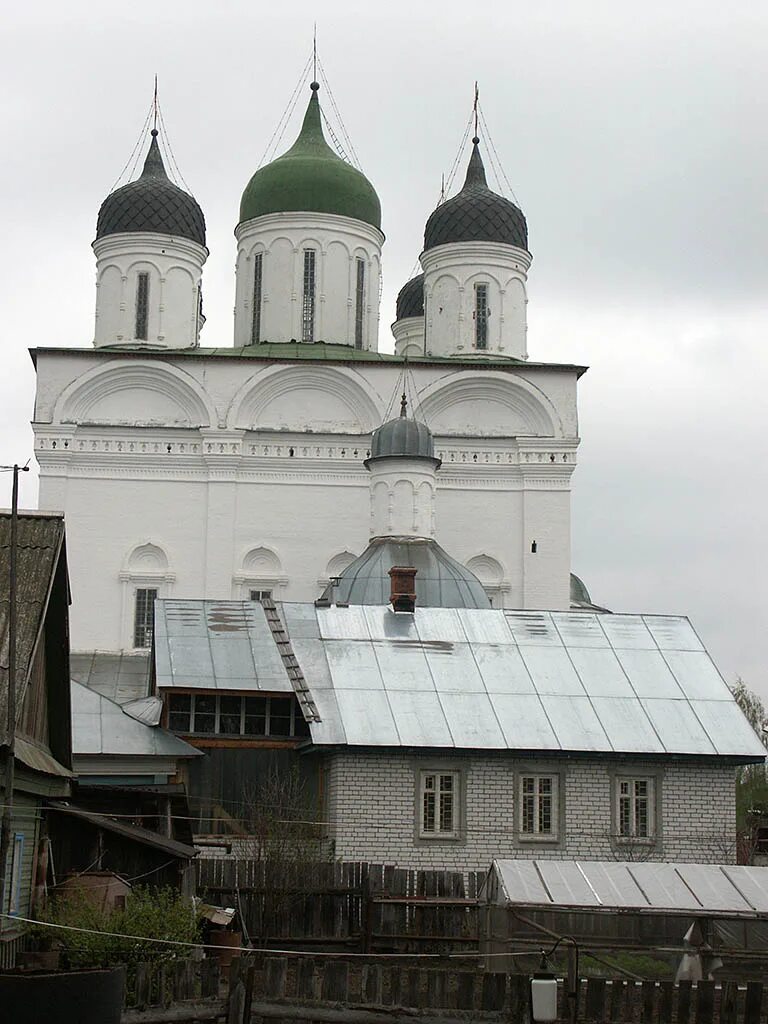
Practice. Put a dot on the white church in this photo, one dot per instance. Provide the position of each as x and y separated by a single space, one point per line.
238 470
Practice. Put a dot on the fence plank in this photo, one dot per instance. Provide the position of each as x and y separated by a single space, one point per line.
305 979
728 1002
617 1000
753 1002
648 989
437 988
465 990
666 996
705 1002
594 1008
143 984
335 982
210 973
494 992
371 984
684 1000
277 969
519 998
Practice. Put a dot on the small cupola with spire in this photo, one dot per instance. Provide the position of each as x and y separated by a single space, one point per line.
309 246
476 263
150 250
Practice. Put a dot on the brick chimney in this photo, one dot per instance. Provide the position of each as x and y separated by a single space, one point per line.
403 588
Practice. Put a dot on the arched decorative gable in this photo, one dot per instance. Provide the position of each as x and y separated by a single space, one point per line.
488 404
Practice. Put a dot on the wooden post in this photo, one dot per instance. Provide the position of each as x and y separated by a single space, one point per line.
573 986
753 1002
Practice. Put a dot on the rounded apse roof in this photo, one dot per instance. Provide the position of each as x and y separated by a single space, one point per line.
410 299
476 214
311 178
441 581
152 203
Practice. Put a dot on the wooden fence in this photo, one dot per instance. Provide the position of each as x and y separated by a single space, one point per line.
371 990
356 905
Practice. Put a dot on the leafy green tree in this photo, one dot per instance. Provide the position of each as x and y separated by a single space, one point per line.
752 779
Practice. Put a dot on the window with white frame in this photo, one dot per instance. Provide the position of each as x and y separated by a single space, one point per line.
538 806
144 616
635 807
359 303
258 270
439 804
209 714
261 595
481 316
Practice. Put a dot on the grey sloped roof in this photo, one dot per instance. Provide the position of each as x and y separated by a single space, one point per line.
152 203
402 436
119 676
224 645
39 540
99 726
476 214
441 581
503 680
410 298
720 890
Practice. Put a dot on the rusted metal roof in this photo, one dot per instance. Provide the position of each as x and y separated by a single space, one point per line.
40 537
39 759
139 835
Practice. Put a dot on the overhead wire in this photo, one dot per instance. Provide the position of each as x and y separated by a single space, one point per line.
337 112
492 146
137 146
169 149
285 117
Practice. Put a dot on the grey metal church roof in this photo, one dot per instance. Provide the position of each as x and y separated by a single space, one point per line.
441 581
402 436
476 214
152 203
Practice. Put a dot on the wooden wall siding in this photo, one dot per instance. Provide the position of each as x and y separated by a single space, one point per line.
366 906
33 721
24 821
278 988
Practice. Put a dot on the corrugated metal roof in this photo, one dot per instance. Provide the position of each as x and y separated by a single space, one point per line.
221 645
121 677
553 681
711 889
39 759
99 726
39 537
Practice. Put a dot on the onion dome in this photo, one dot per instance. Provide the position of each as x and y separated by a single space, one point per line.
311 178
476 214
410 298
152 203
441 581
402 438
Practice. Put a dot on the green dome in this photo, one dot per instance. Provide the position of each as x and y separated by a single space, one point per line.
311 178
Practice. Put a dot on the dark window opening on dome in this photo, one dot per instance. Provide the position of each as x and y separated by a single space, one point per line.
308 301
359 303
142 306
144 617
481 316
258 261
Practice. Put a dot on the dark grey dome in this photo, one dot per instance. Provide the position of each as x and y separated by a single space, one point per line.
441 581
402 437
476 214
152 203
410 298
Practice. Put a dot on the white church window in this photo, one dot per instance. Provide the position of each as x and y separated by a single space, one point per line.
142 306
481 316
258 267
439 804
538 806
144 616
359 303
308 301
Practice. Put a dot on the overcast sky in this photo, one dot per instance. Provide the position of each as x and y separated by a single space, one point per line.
634 137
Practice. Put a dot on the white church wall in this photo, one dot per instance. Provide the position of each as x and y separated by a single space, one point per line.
138 450
174 267
281 239
451 275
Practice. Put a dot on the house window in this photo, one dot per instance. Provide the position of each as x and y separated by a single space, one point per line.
538 806
481 316
261 595
635 808
258 262
142 305
17 859
439 804
206 714
359 303
144 616
308 300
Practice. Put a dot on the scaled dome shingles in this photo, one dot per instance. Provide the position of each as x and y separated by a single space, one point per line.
410 298
152 203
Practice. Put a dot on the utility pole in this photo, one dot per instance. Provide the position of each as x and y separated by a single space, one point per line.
8 749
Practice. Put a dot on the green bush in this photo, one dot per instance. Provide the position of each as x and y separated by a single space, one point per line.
149 914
